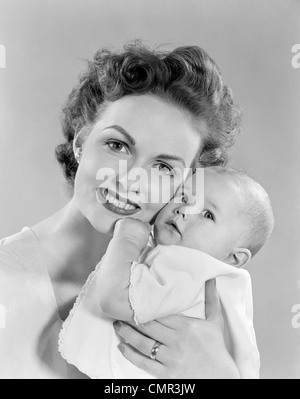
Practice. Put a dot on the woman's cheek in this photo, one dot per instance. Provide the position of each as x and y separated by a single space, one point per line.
161 190
154 197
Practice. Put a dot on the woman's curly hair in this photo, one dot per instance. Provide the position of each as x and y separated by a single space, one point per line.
186 77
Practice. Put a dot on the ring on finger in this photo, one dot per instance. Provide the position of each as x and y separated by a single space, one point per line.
155 350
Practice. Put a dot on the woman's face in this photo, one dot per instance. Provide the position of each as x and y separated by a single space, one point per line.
138 153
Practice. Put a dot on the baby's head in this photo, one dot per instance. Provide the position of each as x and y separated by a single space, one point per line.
236 221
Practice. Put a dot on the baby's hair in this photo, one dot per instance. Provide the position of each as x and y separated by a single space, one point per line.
258 212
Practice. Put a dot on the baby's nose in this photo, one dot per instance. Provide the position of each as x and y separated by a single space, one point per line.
180 212
188 210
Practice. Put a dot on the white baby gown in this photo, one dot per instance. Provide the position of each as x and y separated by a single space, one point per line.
171 280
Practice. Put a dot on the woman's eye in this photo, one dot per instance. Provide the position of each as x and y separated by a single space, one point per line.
164 169
208 215
118 146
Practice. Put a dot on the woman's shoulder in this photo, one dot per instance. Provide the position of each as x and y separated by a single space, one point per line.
24 281
30 319
19 252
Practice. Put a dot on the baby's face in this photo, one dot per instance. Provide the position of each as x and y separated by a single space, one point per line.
214 229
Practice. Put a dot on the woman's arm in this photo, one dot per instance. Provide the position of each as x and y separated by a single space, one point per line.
130 239
191 348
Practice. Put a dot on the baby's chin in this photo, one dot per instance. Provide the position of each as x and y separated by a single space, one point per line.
163 237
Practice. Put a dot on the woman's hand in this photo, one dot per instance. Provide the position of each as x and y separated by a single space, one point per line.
133 230
191 348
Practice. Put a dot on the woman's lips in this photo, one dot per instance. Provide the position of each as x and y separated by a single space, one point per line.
115 203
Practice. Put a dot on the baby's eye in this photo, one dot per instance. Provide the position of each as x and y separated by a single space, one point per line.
208 215
164 169
117 146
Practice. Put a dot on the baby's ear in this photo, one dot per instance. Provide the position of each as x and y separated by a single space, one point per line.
239 257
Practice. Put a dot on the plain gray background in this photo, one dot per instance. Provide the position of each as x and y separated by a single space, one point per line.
46 42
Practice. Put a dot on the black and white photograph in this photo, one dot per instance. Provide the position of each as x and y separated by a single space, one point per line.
149 192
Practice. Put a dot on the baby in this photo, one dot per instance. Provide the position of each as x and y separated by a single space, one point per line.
190 248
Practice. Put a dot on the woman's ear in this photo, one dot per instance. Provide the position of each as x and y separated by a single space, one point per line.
77 149
78 142
239 257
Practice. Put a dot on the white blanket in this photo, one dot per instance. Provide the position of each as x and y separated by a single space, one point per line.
171 280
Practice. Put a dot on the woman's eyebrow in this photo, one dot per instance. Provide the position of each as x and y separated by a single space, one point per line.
167 157
121 130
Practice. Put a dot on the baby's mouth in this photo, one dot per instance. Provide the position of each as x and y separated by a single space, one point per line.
174 225
115 203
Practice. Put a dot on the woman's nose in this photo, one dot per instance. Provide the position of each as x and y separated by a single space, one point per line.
132 178
126 184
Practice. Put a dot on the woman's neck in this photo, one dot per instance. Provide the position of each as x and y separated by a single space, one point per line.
71 245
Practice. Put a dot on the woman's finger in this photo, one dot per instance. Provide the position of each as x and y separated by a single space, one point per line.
172 322
140 342
152 367
157 331
213 305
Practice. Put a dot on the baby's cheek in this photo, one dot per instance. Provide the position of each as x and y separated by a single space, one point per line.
162 237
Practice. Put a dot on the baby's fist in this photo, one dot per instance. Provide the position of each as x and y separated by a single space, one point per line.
134 230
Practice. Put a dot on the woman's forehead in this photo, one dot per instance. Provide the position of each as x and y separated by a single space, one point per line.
147 112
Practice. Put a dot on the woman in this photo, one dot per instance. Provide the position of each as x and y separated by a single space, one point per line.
160 112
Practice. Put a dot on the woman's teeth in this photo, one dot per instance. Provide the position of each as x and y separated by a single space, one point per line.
119 204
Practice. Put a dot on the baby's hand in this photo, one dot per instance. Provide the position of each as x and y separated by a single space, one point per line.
134 230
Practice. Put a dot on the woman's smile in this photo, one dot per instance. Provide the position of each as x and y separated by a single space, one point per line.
113 202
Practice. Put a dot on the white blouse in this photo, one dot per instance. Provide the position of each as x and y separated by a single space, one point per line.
29 318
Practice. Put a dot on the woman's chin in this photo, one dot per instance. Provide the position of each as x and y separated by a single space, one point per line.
103 218
103 223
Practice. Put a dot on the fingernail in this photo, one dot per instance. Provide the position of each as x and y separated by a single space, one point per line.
121 349
117 325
